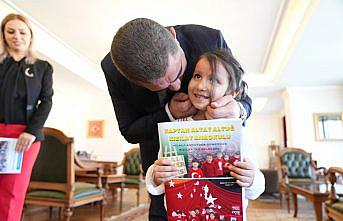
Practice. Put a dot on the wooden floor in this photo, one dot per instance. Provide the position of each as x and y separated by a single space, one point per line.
257 210
88 212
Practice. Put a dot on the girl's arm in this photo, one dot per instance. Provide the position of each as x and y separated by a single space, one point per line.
160 172
257 188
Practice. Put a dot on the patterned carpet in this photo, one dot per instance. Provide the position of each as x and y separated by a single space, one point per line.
268 209
135 214
277 215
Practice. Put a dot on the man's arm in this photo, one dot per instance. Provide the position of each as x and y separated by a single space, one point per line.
246 102
135 125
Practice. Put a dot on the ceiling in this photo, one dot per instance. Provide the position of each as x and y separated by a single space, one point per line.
279 43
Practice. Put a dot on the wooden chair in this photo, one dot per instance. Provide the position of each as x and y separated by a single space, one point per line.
132 168
52 181
334 206
296 166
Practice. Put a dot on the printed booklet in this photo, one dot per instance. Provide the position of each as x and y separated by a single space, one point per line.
10 159
202 152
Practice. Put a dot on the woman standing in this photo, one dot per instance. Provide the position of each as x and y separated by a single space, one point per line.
25 102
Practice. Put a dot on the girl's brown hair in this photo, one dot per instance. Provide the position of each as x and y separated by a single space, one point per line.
233 68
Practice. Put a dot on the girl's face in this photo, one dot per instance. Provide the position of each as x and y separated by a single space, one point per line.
17 36
200 86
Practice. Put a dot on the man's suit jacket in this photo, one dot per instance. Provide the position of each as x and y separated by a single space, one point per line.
138 110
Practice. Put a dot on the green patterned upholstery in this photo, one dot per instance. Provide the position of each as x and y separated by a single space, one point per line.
81 190
132 163
338 206
132 169
298 165
132 181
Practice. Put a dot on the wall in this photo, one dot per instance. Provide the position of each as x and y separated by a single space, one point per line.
75 102
263 129
300 105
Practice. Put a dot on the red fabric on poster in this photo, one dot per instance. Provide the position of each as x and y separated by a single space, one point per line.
186 195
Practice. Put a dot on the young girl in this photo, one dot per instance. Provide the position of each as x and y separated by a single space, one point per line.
216 74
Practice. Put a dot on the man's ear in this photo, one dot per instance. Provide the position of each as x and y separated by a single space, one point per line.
173 32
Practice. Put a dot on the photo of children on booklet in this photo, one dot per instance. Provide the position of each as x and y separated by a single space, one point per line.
211 161
10 159
3 154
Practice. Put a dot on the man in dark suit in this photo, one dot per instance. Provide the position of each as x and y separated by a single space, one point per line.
147 73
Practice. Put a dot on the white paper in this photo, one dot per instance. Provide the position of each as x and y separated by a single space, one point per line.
10 159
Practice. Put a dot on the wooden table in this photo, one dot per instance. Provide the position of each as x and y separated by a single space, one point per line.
109 172
83 173
108 166
316 193
106 178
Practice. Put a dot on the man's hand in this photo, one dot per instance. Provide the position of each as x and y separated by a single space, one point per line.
224 107
244 172
24 142
180 106
164 170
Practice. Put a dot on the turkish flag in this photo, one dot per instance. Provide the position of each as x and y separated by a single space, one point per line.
221 196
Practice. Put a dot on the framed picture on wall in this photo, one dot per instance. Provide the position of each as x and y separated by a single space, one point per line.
328 126
95 129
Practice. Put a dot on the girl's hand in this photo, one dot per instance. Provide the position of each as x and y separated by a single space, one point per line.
24 142
244 172
164 170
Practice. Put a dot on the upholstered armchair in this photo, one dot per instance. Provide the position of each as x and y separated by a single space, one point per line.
53 181
132 168
296 166
334 206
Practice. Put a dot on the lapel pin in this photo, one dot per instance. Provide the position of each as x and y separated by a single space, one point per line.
27 73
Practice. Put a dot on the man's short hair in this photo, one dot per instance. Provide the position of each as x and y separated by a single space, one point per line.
140 50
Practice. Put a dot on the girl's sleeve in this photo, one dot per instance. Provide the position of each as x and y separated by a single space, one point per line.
152 188
258 185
